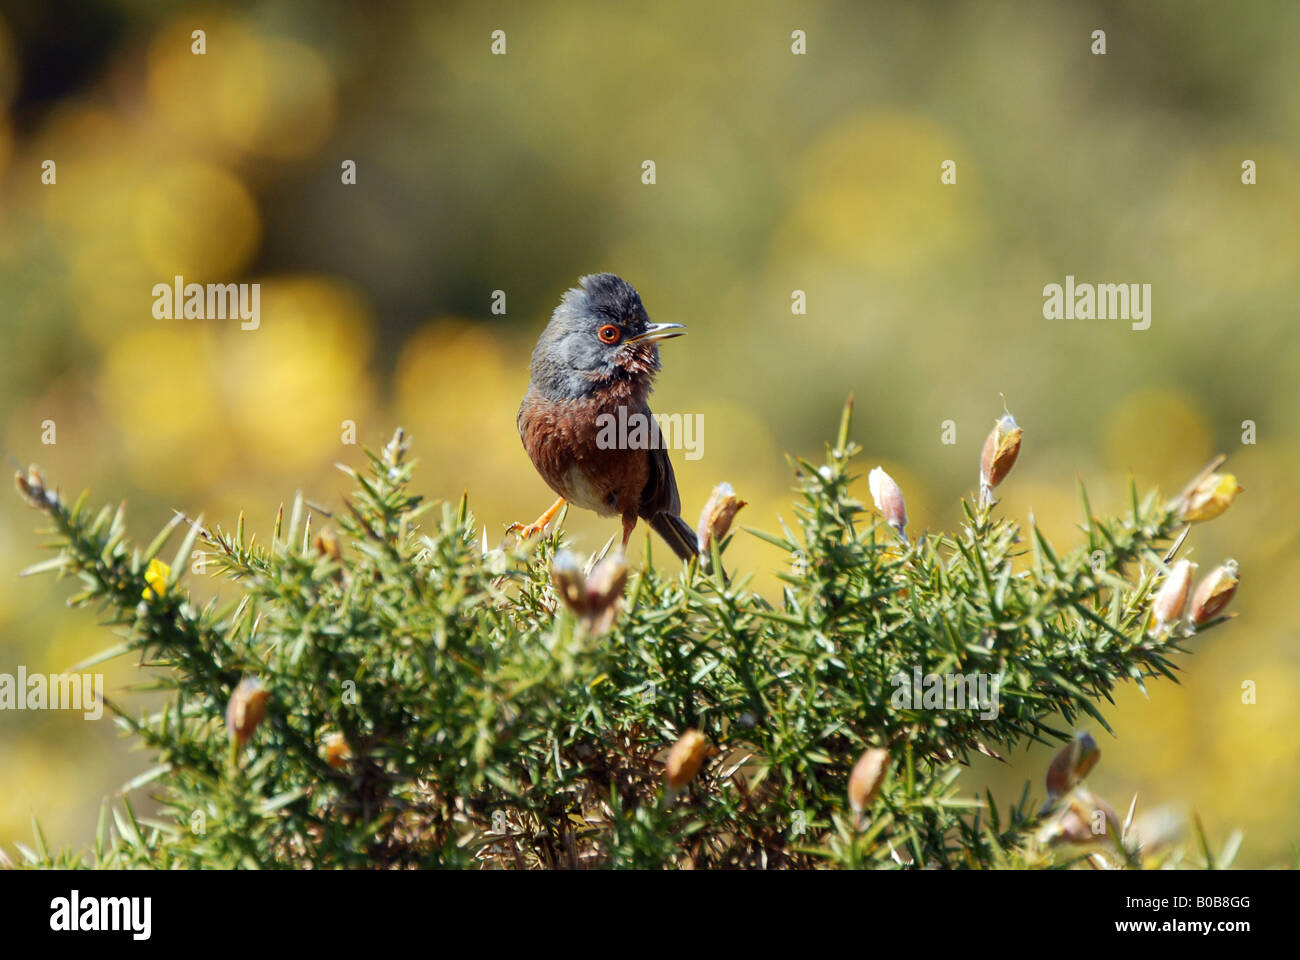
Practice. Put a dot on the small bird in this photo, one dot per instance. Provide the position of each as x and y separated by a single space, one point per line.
596 355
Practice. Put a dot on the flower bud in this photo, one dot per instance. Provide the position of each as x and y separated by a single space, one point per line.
33 489
595 598
606 582
327 544
1208 498
1071 764
604 591
336 750
1171 599
716 517
686 758
888 499
867 776
1085 819
31 486
999 456
570 585
1214 592
245 710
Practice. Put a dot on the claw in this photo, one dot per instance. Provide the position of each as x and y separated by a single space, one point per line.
527 531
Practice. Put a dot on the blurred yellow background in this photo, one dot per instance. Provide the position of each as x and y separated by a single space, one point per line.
775 172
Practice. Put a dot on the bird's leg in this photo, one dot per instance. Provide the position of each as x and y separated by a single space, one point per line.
629 524
538 525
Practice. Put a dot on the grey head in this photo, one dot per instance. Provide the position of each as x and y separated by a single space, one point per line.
598 334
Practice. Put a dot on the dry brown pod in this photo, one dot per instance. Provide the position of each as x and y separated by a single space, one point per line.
867 777
1000 452
246 709
686 757
336 750
1214 593
1071 764
716 517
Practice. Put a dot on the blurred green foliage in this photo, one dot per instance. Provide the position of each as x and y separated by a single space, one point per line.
775 173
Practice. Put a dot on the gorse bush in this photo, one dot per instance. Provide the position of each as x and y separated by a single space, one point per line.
380 689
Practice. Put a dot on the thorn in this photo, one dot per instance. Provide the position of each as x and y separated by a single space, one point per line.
1128 821
1169 555
597 557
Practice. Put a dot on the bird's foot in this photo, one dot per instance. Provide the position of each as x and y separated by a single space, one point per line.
529 530
526 531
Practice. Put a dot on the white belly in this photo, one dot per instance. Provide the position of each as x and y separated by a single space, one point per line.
582 493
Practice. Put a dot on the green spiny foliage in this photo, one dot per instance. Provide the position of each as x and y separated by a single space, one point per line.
432 702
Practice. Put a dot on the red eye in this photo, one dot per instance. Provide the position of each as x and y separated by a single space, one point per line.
609 333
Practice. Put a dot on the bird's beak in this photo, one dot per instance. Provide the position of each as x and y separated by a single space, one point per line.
658 331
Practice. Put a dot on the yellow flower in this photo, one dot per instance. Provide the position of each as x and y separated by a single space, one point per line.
156 576
1209 498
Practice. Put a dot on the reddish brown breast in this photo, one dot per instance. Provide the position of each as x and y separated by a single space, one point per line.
564 440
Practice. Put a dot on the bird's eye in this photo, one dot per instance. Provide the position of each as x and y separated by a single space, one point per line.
609 333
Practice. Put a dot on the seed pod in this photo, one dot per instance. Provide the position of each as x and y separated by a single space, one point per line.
716 517
999 456
1208 498
1071 764
686 758
1171 599
867 776
1214 592
245 710
888 499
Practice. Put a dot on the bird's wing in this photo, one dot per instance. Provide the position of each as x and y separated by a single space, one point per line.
660 492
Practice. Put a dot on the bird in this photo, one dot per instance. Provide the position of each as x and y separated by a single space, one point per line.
599 352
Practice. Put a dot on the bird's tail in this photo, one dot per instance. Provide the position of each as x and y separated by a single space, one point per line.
677 533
